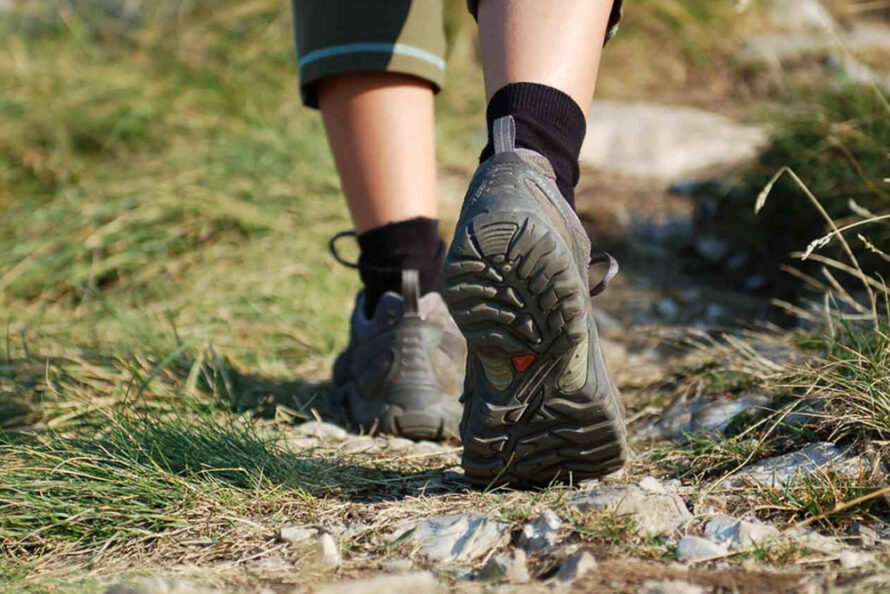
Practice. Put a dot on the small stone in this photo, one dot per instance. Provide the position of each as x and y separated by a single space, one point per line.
712 250
863 535
696 548
650 484
398 566
360 445
756 282
511 567
739 534
320 430
574 567
542 533
328 551
668 309
653 513
296 534
456 538
416 583
812 540
671 587
399 443
785 470
855 559
159 585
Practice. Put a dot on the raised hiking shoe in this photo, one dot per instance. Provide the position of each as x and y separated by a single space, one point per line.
538 403
403 370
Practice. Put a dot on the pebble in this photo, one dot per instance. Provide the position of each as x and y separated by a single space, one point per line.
296 534
787 469
739 534
650 484
574 567
360 445
863 535
511 567
328 551
542 533
319 430
712 250
397 566
654 513
421 582
159 585
696 548
700 415
457 538
670 587
855 559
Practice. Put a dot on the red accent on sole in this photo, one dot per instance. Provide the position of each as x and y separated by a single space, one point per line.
523 362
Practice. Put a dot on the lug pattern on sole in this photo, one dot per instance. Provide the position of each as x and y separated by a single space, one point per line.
514 290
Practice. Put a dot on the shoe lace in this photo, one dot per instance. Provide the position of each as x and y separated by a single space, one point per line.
332 247
602 258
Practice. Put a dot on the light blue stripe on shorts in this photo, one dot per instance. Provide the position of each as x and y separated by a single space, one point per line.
381 48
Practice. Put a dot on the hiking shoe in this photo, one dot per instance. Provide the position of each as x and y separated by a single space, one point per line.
538 404
402 372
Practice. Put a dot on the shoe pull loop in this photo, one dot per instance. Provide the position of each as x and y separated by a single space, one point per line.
410 291
503 132
600 258
332 247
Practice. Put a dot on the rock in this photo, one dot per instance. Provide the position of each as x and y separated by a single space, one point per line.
786 469
686 417
421 582
800 15
696 548
756 282
542 533
712 250
855 559
397 566
671 587
297 534
812 540
665 142
863 535
399 443
739 534
511 567
668 309
319 430
457 538
360 445
159 585
328 551
574 567
653 513
650 484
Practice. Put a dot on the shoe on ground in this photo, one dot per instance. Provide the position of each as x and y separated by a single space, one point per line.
403 370
538 403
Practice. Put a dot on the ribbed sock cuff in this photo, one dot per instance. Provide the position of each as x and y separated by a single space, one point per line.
548 121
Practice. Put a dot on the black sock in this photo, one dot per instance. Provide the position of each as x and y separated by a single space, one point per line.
386 251
547 121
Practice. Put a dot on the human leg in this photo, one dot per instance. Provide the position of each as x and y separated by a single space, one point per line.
372 69
539 405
